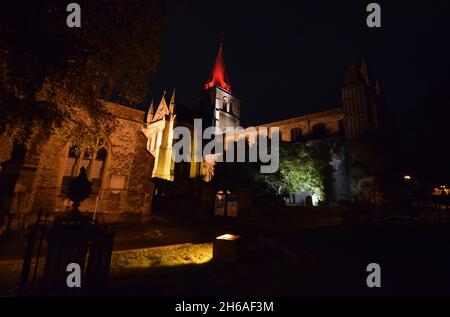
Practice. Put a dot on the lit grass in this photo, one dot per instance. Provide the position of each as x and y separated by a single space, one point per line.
166 256
173 255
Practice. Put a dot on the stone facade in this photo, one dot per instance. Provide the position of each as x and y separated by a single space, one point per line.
362 110
121 175
159 132
223 107
317 125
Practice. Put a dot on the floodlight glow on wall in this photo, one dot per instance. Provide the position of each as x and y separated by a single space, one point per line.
228 236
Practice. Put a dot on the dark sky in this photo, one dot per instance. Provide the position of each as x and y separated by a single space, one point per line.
287 58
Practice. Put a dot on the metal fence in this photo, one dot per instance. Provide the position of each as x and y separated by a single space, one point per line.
52 246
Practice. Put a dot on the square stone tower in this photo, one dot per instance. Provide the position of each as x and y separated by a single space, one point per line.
220 106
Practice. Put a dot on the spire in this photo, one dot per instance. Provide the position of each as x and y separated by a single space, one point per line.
162 109
353 75
172 103
151 112
219 76
365 72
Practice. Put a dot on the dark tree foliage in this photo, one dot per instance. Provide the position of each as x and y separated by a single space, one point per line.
375 167
49 69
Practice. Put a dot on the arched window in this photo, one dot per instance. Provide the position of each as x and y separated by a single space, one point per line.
296 134
86 159
99 166
74 154
225 104
319 131
92 158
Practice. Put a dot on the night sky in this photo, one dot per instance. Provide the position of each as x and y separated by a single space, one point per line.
288 58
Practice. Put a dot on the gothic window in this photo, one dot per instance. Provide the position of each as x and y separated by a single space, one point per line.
93 159
86 159
99 166
296 134
225 104
74 153
319 131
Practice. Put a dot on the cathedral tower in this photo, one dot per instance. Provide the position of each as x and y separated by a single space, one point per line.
361 96
367 125
220 107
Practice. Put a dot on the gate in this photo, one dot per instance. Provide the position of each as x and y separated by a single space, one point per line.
71 238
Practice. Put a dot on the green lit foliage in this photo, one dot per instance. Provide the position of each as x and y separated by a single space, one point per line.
53 75
301 169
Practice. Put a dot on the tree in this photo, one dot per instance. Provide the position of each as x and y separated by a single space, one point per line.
375 170
301 169
53 74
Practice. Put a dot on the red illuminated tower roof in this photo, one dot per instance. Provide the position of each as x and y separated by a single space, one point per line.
219 76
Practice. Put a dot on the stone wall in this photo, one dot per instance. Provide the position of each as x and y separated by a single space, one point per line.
331 119
6 146
40 178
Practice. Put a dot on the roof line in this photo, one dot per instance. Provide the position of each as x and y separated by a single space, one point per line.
305 117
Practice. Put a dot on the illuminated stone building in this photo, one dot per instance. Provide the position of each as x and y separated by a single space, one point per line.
158 128
122 166
218 106
361 110
119 166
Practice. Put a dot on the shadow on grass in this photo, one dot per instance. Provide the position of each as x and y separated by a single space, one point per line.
255 275
414 259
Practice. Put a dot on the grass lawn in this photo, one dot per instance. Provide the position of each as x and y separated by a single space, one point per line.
326 261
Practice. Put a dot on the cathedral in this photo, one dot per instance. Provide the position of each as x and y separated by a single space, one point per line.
123 166
362 110
218 107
